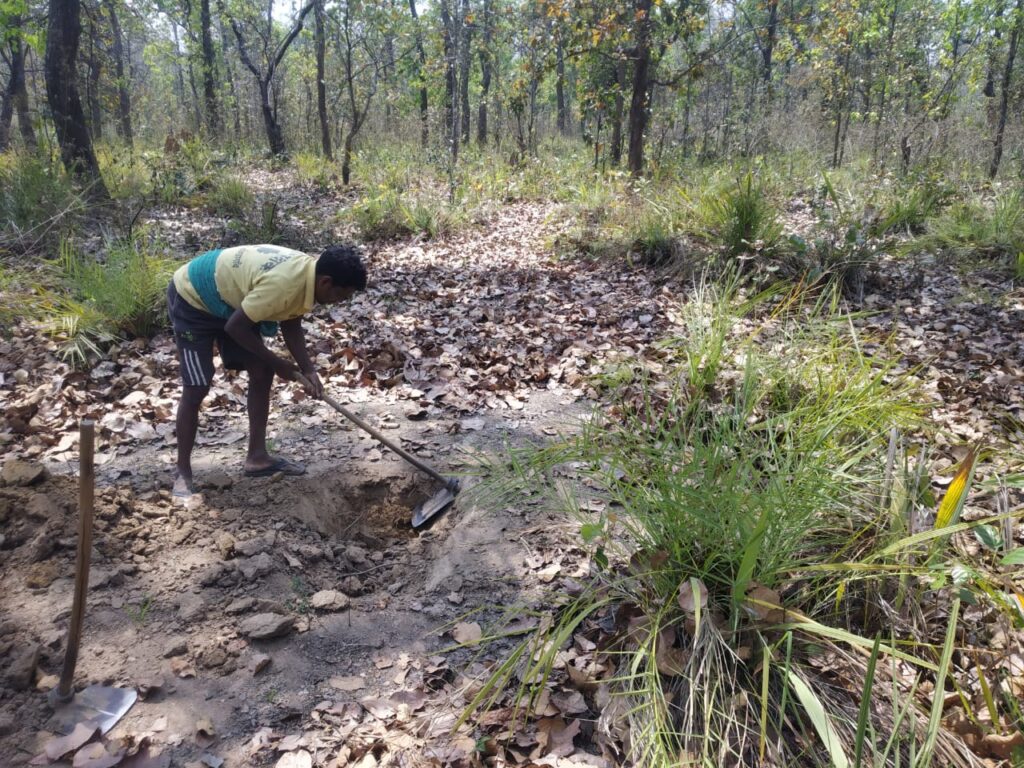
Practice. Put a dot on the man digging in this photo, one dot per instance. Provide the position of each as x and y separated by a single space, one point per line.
237 296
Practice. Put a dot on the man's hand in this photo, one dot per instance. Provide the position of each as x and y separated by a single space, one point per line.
314 387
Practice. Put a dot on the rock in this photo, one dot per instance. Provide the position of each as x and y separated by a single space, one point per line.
259 662
7 724
212 656
329 600
100 578
42 545
355 555
22 473
46 682
351 585
225 544
191 607
254 567
220 480
241 605
255 546
8 627
213 574
181 535
22 670
41 575
264 626
176 646
41 506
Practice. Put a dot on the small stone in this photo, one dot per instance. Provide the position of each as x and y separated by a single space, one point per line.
254 567
264 626
220 480
254 546
329 600
46 682
211 657
22 670
43 545
241 605
351 585
21 375
225 544
176 646
191 607
355 555
41 575
22 473
259 662
455 598
41 507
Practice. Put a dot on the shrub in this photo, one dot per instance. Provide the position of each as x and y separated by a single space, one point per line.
126 176
315 170
117 297
754 542
741 218
37 201
912 205
391 215
229 196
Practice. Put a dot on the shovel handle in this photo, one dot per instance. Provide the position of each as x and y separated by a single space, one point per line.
375 434
86 499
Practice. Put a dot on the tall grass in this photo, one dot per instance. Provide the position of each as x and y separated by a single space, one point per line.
37 201
751 550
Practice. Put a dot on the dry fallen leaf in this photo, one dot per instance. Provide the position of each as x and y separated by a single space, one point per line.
298 759
467 633
96 756
693 595
63 745
347 683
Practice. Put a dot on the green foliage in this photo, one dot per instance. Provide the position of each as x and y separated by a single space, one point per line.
127 177
741 217
748 466
912 205
984 228
102 300
315 170
229 196
37 201
392 215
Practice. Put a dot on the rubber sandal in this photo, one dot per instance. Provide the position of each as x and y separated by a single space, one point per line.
280 465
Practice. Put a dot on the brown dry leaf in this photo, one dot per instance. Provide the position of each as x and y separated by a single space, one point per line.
64 745
547 575
764 604
569 702
467 633
414 700
693 594
353 683
96 756
298 759
556 737
382 709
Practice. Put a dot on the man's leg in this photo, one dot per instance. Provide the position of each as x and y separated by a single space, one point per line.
261 377
186 426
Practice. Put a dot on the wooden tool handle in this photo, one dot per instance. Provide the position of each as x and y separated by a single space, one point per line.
377 435
86 498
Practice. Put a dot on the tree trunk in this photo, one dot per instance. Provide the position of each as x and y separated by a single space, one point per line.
618 109
464 59
768 51
346 159
421 76
213 124
485 77
320 42
639 106
560 86
177 64
64 29
1004 96
16 96
449 74
124 103
92 92
274 136
232 88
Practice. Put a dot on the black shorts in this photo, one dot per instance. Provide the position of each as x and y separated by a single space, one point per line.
195 332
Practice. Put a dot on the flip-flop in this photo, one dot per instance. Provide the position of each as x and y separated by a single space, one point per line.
280 464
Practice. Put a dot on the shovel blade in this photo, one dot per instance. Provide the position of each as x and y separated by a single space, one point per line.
101 705
432 507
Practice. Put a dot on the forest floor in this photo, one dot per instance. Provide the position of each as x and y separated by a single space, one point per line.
301 621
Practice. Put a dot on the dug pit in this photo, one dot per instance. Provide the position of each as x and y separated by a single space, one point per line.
342 507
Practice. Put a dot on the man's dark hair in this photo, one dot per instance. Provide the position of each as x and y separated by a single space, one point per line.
343 264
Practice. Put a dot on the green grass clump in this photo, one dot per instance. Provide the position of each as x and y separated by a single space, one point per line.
37 201
753 543
392 215
229 196
991 229
741 217
315 170
911 205
101 300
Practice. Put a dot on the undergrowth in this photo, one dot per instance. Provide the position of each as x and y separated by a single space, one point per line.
760 569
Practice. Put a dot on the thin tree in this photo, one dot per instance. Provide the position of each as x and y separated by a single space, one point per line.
124 99
485 74
15 98
62 36
265 70
320 43
1004 95
213 121
421 75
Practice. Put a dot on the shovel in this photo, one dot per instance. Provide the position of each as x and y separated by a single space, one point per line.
97 706
432 507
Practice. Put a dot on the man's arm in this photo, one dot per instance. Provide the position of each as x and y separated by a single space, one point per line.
295 339
240 328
